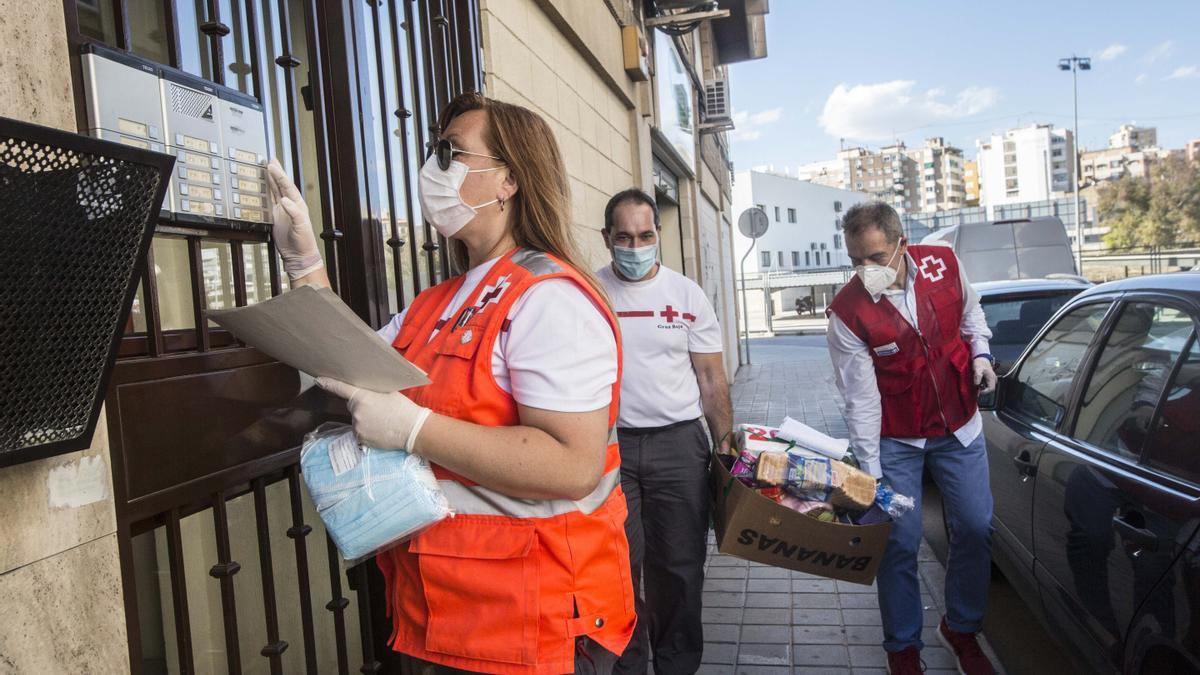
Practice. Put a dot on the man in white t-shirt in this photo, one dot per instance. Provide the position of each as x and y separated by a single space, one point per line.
673 375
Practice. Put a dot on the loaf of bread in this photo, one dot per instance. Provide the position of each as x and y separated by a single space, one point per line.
772 468
852 489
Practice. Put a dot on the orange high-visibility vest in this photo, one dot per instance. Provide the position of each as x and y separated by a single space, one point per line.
506 585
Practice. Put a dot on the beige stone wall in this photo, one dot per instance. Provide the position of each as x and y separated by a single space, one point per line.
60 579
562 58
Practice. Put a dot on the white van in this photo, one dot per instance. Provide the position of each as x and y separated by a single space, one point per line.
998 250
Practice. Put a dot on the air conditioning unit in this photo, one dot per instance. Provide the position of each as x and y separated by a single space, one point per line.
717 106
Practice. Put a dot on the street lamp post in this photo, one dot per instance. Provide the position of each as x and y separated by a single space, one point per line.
1076 64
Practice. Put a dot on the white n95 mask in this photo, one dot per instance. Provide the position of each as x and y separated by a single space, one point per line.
877 278
438 192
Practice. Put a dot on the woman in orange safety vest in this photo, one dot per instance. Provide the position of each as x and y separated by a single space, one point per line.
531 575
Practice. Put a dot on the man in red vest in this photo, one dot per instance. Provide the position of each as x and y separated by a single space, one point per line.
909 346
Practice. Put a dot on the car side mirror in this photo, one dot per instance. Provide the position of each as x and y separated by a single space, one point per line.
992 400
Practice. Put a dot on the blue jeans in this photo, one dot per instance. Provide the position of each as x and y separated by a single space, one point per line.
961 472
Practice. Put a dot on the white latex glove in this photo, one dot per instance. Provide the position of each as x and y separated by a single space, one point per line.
292 230
384 421
985 375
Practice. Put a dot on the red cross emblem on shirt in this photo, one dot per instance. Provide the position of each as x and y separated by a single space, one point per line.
669 314
938 268
492 293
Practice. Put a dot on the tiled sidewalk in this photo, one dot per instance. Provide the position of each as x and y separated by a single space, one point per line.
766 620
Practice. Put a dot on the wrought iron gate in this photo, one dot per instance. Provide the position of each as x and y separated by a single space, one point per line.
224 563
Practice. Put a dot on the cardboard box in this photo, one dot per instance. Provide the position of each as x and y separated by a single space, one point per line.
753 527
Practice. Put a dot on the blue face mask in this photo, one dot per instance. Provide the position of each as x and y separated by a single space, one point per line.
635 263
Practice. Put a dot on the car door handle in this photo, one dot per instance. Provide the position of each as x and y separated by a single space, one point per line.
1025 466
1145 539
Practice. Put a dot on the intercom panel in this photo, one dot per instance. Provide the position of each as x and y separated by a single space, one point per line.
123 100
244 139
192 113
217 135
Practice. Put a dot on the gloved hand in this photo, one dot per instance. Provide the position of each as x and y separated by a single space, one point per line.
984 374
292 230
384 421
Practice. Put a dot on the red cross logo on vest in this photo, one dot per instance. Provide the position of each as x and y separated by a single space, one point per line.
491 294
937 265
669 314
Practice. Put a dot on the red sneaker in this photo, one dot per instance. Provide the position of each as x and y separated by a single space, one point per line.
906 662
965 647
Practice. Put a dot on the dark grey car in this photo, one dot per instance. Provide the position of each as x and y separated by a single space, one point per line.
1016 310
1094 457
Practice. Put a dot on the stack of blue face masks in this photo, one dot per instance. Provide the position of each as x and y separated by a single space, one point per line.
369 499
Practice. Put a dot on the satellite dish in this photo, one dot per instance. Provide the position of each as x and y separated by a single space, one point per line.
753 222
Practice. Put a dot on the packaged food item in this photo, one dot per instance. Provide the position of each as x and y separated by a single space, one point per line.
822 511
369 499
893 503
775 494
809 438
744 466
820 479
755 438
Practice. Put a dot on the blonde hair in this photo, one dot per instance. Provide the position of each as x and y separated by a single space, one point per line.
541 209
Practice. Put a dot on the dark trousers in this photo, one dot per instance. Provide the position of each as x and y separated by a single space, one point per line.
664 473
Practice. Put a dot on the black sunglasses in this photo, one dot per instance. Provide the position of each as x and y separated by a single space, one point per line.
445 152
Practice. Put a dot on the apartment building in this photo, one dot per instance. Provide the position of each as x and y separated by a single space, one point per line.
1028 164
970 183
940 168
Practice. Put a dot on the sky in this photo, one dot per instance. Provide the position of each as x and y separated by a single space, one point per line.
874 71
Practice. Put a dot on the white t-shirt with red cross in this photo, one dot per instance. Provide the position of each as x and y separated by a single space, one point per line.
558 352
663 321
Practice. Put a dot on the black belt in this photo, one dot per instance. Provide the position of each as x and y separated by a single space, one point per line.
642 431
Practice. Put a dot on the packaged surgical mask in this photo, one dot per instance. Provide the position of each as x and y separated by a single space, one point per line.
369 499
635 263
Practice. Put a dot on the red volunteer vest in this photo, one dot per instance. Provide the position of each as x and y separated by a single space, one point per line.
925 379
506 585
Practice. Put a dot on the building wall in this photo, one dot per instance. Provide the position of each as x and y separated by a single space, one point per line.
1043 167
816 221
563 60
60 579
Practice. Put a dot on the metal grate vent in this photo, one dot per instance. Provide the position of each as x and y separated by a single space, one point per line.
192 103
76 216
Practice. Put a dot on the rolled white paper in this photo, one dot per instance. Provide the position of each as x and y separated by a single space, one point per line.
805 436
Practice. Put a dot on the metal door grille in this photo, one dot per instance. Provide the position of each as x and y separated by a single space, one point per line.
177 461
77 217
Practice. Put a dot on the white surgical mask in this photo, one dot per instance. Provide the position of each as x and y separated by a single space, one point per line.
877 278
441 203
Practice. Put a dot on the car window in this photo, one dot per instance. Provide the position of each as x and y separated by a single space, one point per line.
1131 371
1173 445
1043 383
1015 321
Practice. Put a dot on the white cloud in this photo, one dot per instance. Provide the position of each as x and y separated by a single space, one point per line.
1141 78
748 126
879 111
1160 51
1110 52
1184 73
